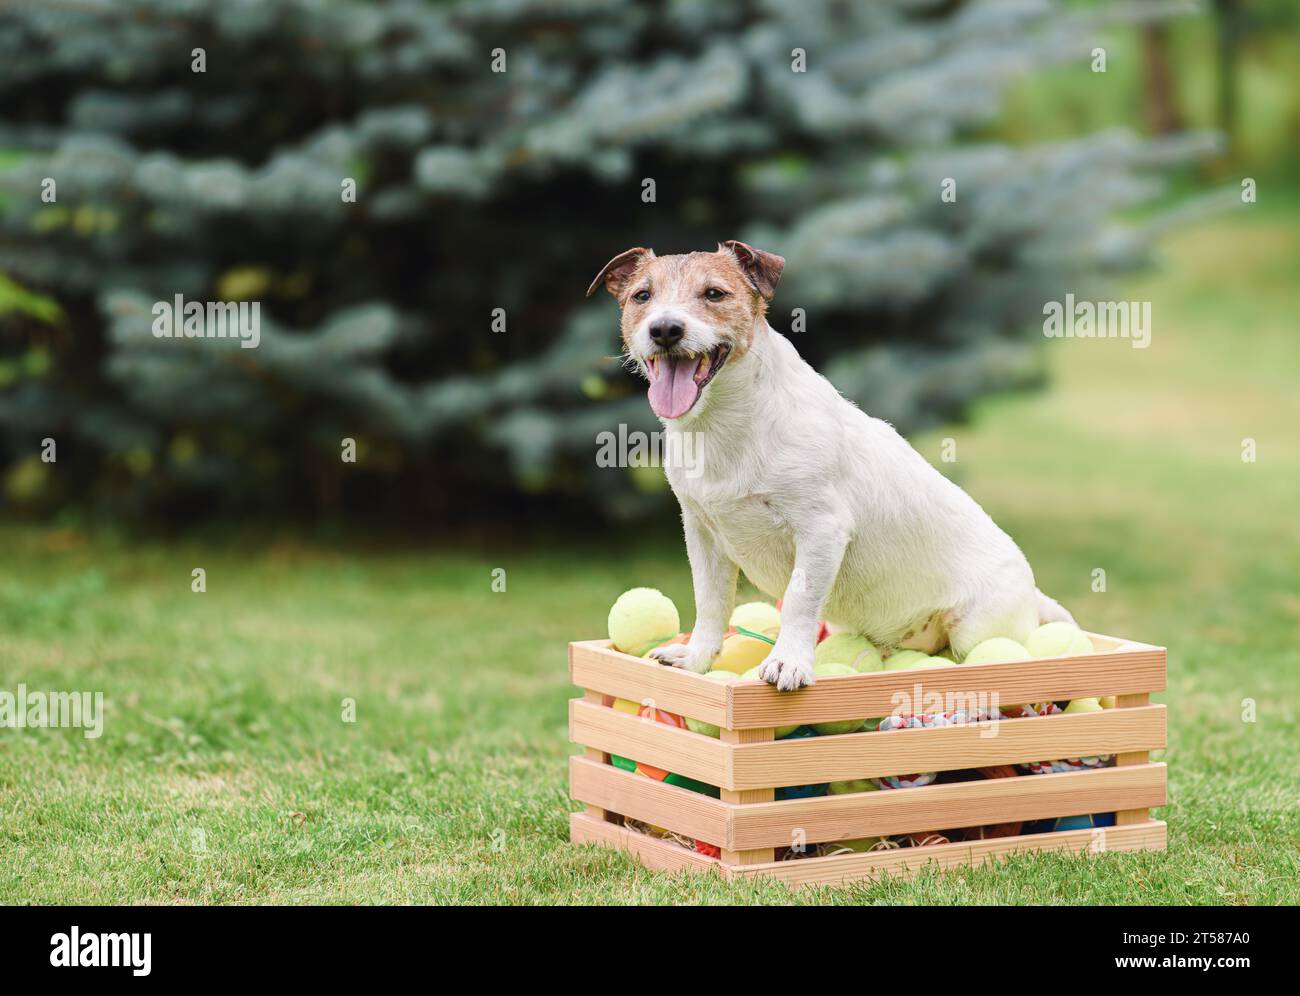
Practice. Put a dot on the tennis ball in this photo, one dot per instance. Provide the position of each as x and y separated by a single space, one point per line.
632 709
853 785
642 619
1084 705
906 659
757 617
861 845
833 669
698 725
847 648
740 653
996 650
901 659
1058 639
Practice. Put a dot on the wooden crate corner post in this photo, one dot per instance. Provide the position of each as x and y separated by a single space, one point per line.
1126 817
753 855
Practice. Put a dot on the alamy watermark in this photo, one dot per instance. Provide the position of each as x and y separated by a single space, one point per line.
181 319
1073 319
26 710
683 450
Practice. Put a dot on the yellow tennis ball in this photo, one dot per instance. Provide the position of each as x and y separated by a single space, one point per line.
996 650
642 619
853 785
1083 705
901 659
1058 639
740 653
833 669
757 617
847 648
906 659
698 725
861 845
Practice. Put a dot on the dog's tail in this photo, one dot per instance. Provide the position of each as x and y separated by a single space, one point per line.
1050 610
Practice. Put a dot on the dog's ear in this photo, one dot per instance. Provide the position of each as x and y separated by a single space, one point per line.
762 268
618 269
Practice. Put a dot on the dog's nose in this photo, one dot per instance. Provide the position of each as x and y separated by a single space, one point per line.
667 332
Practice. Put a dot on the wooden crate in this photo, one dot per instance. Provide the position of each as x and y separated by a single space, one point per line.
750 828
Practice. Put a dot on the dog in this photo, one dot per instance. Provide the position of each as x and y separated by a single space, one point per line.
812 498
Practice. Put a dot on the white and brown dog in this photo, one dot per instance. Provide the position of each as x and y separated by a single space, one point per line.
815 500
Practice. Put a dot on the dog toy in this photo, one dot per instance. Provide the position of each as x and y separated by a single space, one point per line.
698 725
1058 639
1068 763
995 651
831 669
847 648
958 717
760 617
642 619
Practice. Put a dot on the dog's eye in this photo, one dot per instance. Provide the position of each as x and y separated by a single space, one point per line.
714 294
641 296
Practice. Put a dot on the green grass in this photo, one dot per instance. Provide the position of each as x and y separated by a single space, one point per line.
225 773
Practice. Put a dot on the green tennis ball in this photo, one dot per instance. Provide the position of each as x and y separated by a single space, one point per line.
847 648
833 669
853 785
1083 705
906 659
1058 639
996 650
642 619
902 659
757 617
698 725
861 845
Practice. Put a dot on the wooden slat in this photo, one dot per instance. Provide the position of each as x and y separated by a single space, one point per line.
649 801
691 754
843 868
898 752
940 807
655 854
595 666
757 704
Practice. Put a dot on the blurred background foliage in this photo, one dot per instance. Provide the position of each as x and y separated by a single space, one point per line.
481 190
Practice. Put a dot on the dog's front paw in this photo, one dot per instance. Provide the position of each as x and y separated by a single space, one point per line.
684 656
785 673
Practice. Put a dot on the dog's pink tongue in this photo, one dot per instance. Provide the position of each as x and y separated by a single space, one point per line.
674 391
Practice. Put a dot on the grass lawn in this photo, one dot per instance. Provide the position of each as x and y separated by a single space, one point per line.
227 774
